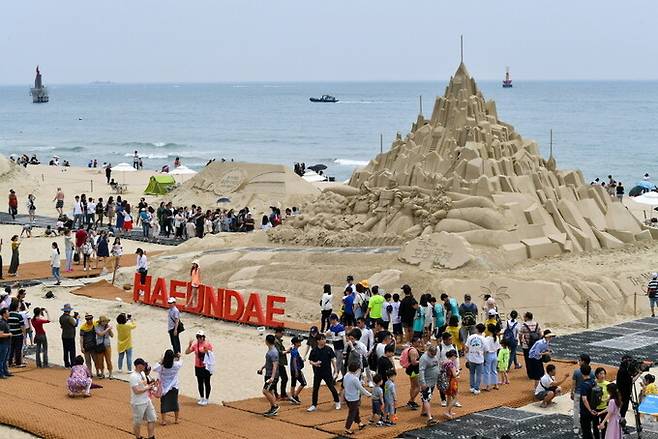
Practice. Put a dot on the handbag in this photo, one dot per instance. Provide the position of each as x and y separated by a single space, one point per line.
157 393
180 327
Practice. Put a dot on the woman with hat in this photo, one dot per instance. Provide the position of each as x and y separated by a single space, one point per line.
104 336
202 367
195 274
88 342
538 355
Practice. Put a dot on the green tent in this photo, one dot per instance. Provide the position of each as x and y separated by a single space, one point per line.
160 185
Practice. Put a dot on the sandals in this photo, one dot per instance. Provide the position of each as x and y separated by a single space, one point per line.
432 421
348 432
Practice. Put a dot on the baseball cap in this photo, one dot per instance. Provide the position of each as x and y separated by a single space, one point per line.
171 300
295 339
200 333
493 312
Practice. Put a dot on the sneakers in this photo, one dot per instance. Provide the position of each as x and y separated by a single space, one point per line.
475 391
338 406
311 408
202 401
272 411
457 404
411 405
444 403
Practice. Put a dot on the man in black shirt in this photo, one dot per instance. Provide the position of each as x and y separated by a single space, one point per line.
407 311
5 341
323 360
385 363
589 421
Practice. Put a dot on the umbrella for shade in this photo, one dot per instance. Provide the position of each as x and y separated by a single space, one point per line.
123 168
646 185
182 170
317 168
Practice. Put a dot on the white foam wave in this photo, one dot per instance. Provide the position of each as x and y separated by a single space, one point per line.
348 162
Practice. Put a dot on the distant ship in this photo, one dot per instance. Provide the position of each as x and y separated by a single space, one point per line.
39 92
507 83
324 98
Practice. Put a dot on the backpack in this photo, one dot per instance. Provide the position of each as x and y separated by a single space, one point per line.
355 357
508 335
404 357
468 319
595 397
533 336
372 358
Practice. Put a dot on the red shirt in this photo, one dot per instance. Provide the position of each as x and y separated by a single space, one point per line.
38 326
80 238
200 350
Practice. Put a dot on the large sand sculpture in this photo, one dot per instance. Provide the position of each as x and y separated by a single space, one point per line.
465 172
254 185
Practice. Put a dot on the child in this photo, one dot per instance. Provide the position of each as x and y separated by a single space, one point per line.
648 386
503 362
352 391
453 330
296 373
452 373
377 401
390 397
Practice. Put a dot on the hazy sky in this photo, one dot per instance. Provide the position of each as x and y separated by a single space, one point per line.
77 41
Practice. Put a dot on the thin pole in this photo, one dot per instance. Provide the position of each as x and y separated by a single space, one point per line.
420 103
381 143
634 303
461 37
587 316
551 142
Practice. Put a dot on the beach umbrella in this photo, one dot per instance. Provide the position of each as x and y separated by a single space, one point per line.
648 198
637 190
123 168
646 185
317 168
182 171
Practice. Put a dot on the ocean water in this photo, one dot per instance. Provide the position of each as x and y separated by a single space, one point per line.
599 127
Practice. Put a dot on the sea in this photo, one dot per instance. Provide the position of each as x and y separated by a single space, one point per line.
599 127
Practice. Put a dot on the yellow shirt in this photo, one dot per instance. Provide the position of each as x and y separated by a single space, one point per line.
124 336
486 325
651 389
454 332
605 396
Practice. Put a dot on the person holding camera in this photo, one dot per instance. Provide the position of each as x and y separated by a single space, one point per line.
125 326
104 335
41 317
68 324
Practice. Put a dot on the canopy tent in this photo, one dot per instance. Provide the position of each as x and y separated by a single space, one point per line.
123 168
160 185
182 170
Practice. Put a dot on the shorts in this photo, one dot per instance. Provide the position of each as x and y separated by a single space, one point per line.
412 371
389 408
300 378
143 412
377 408
397 328
59 204
541 395
270 387
426 395
653 302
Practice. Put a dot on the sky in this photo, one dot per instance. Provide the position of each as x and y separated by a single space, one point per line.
154 41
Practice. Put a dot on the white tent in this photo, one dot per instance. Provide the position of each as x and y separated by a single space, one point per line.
123 168
182 170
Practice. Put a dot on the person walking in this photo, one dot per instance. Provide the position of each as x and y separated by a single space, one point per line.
428 375
142 266
353 389
202 351
271 368
577 381
174 325
104 334
125 327
140 403
102 249
59 201
68 324
323 360
511 337
13 204
15 259
31 207
41 317
326 307
168 369
282 363
474 349
68 250
55 263
5 343
491 347
652 293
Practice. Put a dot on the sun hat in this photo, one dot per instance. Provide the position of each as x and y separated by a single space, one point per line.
67 308
88 316
171 300
103 319
195 262
549 333
654 275
365 283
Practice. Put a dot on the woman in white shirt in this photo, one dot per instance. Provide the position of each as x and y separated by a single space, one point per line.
142 265
491 347
55 263
326 307
168 369
265 223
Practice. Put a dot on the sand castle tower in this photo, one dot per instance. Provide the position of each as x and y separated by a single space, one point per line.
465 172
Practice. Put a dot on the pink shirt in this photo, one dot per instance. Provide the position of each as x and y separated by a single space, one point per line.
200 350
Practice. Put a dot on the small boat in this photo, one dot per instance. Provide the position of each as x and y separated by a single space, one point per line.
324 98
507 82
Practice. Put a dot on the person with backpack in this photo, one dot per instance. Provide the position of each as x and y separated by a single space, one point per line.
428 377
547 388
652 293
409 360
451 372
529 333
589 420
326 307
511 337
538 355
468 312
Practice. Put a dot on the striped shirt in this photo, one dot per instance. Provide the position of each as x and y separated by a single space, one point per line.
652 288
15 323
